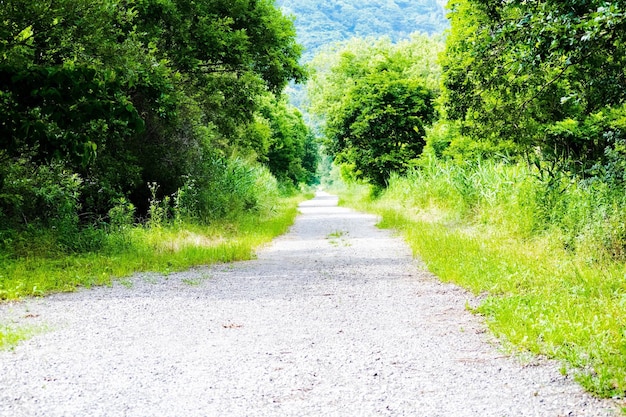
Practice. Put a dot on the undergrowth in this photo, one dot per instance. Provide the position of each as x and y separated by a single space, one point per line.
164 249
548 259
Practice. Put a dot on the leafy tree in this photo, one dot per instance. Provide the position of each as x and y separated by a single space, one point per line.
67 70
547 75
58 100
381 126
376 100
124 93
292 153
223 55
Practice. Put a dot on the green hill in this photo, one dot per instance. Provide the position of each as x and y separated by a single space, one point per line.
320 22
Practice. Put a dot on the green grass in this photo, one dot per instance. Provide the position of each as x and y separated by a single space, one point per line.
546 288
160 249
11 336
338 238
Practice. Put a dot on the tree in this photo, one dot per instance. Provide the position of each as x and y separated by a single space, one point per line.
292 153
547 75
124 93
61 89
381 127
376 100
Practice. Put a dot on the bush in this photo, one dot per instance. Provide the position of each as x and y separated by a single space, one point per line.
40 210
586 216
40 200
44 194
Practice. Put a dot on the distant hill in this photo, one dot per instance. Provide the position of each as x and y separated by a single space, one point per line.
320 22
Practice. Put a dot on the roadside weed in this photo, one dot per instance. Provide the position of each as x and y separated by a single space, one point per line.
338 237
11 336
194 282
163 249
336 234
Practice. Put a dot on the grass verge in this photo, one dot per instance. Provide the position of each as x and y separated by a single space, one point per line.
160 249
537 295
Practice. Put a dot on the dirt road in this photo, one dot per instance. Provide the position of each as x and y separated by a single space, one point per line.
333 319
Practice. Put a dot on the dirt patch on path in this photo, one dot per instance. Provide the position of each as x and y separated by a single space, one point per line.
333 319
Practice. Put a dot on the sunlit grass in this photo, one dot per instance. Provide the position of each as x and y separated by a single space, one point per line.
159 249
11 336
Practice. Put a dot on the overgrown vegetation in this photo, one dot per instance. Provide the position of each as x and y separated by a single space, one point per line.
542 80
249 211
122 94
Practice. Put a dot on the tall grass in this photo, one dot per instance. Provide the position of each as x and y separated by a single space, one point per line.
162 249
548 256
219 216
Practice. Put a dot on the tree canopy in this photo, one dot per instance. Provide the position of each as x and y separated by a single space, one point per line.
376 99
547 76
104 102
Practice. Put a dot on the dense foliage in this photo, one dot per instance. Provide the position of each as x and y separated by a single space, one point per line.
376 99
547 77
100 99
292 148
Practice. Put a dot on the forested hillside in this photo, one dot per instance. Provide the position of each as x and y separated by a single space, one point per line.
323 22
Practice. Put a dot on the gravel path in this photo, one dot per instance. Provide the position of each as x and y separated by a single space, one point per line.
333 319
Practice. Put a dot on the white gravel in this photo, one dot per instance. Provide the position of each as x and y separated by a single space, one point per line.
333 319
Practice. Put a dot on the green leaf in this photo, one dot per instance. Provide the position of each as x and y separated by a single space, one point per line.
25 36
